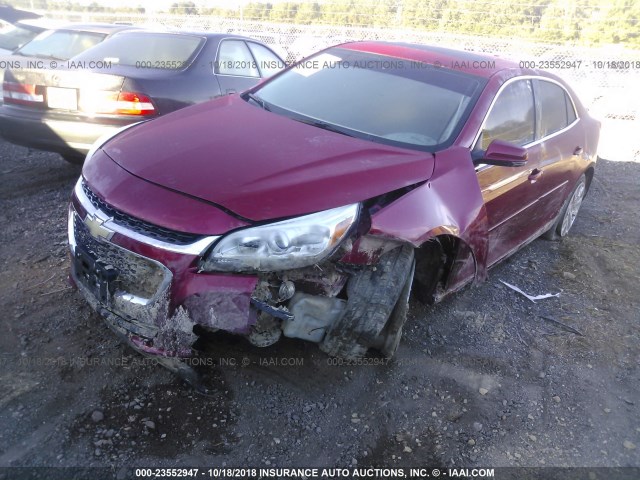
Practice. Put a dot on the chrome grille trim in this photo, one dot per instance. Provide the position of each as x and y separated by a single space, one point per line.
196 247
120 310
114 254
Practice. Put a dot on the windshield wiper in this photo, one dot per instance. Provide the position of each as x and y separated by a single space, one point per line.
256 99
47 56
325 126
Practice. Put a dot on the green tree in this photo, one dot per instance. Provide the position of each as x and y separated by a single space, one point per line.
94 7
619 22
308 13
183 8
284 12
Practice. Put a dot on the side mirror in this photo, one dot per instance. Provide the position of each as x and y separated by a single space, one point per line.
504 154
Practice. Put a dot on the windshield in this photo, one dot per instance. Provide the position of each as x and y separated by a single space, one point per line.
379 98
61 44
15 36
147 50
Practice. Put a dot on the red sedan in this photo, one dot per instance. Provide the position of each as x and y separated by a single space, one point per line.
311 205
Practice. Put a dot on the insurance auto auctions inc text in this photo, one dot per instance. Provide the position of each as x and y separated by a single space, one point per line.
370 473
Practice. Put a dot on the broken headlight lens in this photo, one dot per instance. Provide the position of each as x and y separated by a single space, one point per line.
294 243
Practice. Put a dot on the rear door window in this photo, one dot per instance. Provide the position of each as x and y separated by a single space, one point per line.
556 109
234 58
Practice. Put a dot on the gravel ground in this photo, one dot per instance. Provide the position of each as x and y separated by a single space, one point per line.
481 380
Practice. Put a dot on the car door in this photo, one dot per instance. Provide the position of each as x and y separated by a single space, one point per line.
240 65
510 193
561 143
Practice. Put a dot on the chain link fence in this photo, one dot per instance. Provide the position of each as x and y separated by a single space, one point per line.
605 78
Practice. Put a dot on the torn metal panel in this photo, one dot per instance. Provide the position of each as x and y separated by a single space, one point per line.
323 279
456 208
221 310
368 249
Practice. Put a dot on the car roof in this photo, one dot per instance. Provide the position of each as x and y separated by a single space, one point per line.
482 65
199 33
106 28
41 24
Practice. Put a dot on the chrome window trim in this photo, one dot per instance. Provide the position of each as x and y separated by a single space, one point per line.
483 166
195 248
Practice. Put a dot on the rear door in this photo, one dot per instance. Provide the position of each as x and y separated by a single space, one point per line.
561 141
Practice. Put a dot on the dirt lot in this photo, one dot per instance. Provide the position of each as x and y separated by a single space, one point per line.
480 380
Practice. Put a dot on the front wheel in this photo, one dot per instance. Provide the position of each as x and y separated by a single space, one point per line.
376 308
389 339
569 211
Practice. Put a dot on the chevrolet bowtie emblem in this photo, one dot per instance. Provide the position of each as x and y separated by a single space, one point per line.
96 227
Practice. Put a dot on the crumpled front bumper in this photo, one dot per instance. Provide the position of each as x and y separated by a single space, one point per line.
145 283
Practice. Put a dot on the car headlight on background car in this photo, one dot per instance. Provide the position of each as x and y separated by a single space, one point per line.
294 243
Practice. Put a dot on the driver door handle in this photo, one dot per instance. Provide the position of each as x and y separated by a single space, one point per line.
535 174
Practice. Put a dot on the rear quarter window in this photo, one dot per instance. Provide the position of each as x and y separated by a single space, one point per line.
268 62
234 58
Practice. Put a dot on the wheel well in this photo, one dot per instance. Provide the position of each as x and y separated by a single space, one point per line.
435 260
589 175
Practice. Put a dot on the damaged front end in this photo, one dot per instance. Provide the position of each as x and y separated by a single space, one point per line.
298 278
157 288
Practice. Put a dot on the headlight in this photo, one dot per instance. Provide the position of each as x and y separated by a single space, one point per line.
295 243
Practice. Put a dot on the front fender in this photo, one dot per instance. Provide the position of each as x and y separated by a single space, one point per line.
449 203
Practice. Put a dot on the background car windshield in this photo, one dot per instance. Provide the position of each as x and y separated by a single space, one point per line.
14 36
376 97
61 44
164 51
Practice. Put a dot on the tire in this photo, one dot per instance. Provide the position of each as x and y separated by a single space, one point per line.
568 212
389 339
376 298
73 158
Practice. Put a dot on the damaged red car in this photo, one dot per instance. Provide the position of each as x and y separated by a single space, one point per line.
312 205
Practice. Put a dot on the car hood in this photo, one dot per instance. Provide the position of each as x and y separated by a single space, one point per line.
261 165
